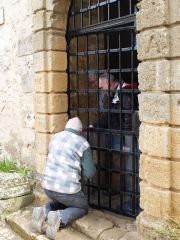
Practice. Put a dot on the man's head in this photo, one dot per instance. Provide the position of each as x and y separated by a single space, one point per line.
105 79
75 124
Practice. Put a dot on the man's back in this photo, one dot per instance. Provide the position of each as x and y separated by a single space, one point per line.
63 168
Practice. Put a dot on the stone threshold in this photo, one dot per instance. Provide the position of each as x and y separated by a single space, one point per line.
96 225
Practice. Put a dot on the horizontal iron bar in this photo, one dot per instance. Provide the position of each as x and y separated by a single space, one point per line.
115 50
125 70
110 24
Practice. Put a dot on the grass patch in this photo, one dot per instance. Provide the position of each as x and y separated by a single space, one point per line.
10 166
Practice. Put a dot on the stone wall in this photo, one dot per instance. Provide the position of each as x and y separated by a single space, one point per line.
158 24
50 64
17 135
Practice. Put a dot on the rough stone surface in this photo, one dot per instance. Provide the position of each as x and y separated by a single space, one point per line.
155 202
175 143
20 222
153 43
87 226
49 19
175 109
6 233
16 81
51 103
51 82
155 75
155 171
152 13
154 107
152 228
40 162
42 143
174 40
49 40
156 140
14 204
175 168
174 11
113 234
51 123
50 61
175 204
131 236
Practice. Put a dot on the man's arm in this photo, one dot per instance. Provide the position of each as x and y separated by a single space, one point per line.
88 165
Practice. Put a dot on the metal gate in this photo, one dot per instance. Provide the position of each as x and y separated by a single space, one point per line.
101 42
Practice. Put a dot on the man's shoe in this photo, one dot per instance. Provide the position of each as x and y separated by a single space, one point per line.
54 221
38 219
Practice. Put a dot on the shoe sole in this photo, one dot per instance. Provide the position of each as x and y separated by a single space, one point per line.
53 225
38 218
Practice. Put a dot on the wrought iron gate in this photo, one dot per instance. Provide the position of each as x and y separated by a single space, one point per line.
101 40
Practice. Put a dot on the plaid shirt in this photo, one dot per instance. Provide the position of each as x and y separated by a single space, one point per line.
66 157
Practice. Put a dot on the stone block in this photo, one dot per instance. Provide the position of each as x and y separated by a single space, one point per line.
175 204
50 82
175 75
92 225
39 20
57 61
58 7
40 61
49 40
154 107
155 171
56 21
50 123
114 233
152 13
175 168
42 143
154 75
16 203
50 61
40 163
175 143
175 109
155 202
130 236
155 140
51 103
38 5
153 43
174 11
174 41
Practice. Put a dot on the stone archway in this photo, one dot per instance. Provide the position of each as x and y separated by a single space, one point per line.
50 63
159 53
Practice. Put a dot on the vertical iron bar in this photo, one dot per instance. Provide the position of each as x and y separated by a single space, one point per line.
77 74
132 134
97 75
119 9
81 14
109 121
74 15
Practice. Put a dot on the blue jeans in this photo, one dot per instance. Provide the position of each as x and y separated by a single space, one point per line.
72 206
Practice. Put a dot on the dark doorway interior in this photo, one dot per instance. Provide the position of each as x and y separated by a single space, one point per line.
101 39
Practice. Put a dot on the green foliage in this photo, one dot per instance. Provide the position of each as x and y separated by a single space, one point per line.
10 166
